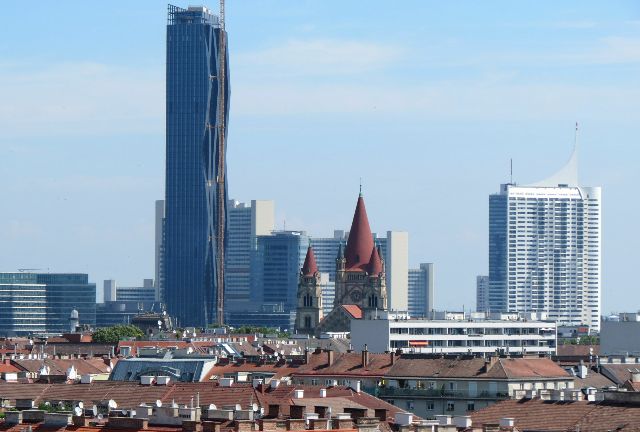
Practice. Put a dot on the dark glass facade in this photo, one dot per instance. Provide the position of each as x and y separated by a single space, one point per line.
276 268
498 227
193 165
42 302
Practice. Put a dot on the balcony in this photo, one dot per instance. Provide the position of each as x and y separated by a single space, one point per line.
438 393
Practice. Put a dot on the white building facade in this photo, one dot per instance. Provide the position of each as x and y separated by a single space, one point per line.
545 249
460 334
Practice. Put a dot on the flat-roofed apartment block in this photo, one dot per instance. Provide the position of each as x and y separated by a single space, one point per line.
455 333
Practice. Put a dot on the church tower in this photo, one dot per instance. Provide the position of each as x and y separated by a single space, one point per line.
360 269
309 310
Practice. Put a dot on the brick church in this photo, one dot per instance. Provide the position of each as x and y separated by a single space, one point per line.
360 282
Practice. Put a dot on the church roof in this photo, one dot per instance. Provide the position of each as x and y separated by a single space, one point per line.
375 263
360 241
309 268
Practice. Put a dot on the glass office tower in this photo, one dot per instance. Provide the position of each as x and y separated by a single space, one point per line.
196 191
42 302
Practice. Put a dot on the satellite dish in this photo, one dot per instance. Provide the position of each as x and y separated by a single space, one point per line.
77 411
124 412
158 403
112 404
47 404
61 405
80 404
94 410
255 407
238 407
212 406
100 416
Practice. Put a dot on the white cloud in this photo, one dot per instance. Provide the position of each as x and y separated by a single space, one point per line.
319 57
79 98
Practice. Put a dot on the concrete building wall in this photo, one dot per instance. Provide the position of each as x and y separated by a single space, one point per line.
397 267
109 290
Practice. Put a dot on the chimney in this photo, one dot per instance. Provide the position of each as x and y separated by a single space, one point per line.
365 356
307 356
392 358
507 422
329 357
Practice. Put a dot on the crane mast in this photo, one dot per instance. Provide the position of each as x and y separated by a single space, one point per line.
221 175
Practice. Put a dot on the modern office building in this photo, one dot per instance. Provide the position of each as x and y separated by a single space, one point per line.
109 290
545 249
197 95
42 302
421 291
159 249
455 334
245 223
275 268
482 293
144 293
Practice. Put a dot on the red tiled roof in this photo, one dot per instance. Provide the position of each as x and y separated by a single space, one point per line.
577 350
531 368
309 268
542 416
60 366
345 364
360 241
6 367
353 310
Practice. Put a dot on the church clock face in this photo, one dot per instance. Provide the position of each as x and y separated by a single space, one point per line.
356 295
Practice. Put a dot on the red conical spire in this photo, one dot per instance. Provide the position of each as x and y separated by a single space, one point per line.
375 264
309 268
360 242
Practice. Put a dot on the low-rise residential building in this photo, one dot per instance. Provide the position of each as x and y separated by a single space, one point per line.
430 385
465 334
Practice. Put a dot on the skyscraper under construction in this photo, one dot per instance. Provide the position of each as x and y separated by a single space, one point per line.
196 190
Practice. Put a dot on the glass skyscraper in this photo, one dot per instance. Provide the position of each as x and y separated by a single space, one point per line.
196 190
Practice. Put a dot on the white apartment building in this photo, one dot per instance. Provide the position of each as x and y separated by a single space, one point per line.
545 251
455 334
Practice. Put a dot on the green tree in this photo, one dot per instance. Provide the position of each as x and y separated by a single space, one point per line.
116 333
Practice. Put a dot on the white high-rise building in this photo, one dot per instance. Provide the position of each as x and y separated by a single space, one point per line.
397 262
245 223
545 249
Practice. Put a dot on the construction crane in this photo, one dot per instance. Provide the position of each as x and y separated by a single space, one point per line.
221 174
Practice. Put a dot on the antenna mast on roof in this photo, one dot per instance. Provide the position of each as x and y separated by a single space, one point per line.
511 174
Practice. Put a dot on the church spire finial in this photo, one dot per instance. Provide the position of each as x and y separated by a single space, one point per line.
360 194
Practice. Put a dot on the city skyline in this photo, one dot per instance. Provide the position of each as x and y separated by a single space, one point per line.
452 110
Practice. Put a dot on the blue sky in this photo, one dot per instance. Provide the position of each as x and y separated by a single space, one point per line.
426 101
